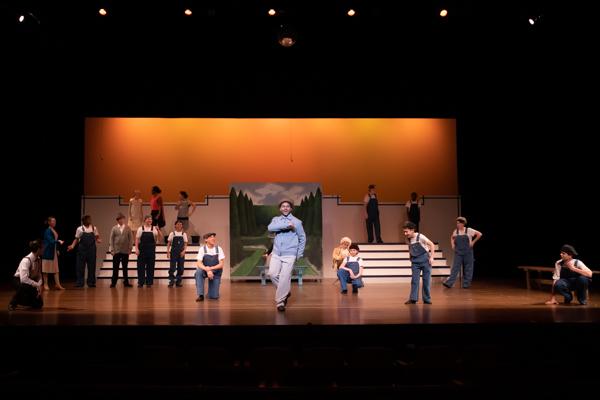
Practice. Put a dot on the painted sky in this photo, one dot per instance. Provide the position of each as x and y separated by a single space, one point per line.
268 194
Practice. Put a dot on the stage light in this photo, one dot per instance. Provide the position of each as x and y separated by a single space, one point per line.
188 12
21 18
443 13
272 12
287 35
102 11
531 21
351 12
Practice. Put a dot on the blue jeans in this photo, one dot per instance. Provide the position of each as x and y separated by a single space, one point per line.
213 284
345 279
420 264
467 261
579 284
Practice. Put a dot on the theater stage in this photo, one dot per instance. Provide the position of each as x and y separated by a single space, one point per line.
489 301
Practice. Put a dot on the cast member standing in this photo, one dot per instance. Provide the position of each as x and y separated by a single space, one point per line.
176 247
351 271
145 249
570 274
209 265
463 239
27 280
421 258
50 255
120 244
340 254
288 247
371 208
87 237
157 208
413 210
136 211
183 210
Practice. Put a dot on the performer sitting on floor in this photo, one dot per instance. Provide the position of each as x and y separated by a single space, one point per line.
421 258
351 271
340 254
28 279
210 265
570 274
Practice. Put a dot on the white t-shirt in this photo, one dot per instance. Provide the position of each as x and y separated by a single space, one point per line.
469 232
210 252
369 196
422 239
82 229
175 233
408 203
354 259
557 267
143 229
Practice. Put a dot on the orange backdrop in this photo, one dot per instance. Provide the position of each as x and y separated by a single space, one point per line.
202 156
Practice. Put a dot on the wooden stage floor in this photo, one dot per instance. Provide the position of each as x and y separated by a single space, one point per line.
489 301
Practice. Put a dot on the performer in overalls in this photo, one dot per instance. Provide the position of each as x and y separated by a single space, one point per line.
145 249
421 258
570 274
288 247
463 239
351 271
413 210
209 265
87 237
371 207
176 247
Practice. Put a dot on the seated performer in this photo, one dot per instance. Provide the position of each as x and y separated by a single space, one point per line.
28 279
210 265
570 274
351 271
340 254
421 258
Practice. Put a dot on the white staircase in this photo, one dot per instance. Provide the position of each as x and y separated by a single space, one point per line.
390 263
161 268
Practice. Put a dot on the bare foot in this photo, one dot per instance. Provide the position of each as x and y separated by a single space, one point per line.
552 302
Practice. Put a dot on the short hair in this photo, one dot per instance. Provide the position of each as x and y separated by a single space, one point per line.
35 245
410 225
184 194
354 246
207 235
372 187
178 222
85 217
147 216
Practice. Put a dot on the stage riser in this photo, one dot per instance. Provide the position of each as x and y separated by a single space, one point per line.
367 255
387 247
398 263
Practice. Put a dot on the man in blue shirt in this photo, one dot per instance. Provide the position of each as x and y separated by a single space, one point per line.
288 247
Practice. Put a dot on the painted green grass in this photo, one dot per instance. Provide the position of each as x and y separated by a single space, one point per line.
248 265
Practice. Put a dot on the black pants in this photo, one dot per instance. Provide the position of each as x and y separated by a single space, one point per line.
117 259
26 295
373 221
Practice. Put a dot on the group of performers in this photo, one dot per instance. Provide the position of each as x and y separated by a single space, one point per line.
289 242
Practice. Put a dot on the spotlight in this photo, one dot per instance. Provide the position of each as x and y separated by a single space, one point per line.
287 35
351 13
102 11
188 12
21 18
443 13
531 21
272 12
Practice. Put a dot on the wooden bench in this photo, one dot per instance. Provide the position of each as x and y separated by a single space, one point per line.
263 273
539 280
